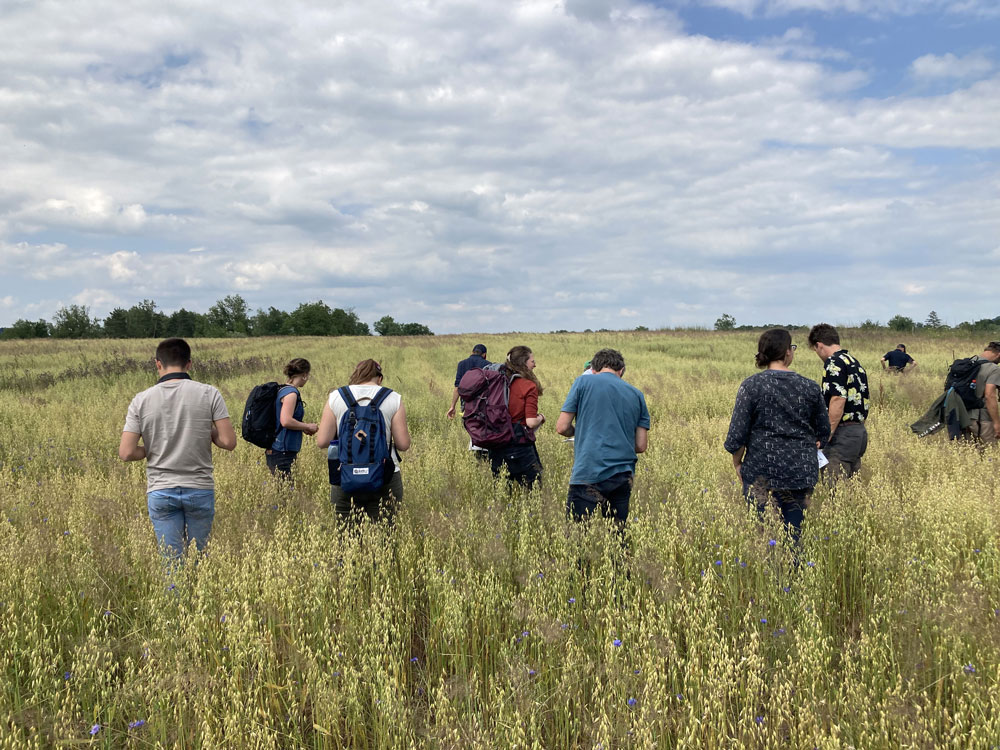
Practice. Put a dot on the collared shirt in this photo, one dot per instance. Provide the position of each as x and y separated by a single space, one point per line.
844 376
475 362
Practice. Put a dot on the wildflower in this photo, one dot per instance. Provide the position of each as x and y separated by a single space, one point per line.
572 600
171 587
759 719
718 562
531 673
631 701
810 564
763 621
969 669
95 729
67 675
680 696
616 642
771 542
136 724
525 633
414 660
222 619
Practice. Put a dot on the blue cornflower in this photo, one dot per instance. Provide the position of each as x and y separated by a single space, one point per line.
222 619
969 669
414 660
810 564
631 701
616 642
771 542
718 562
763 620
67 675
572 600
137 723
531 673
680 696
95 729
759 719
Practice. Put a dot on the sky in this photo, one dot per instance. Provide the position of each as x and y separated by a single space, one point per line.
499 165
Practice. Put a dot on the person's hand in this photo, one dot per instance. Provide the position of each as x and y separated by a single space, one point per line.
996 428
311 428
451 413
739 470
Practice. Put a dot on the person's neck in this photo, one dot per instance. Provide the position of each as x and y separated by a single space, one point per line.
371 382
777 365
607 369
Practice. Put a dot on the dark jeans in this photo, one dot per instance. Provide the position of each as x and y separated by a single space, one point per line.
280 462
790 503
611 495
521 462
844 451
376 506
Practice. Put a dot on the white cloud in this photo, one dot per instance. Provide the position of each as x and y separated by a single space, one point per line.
913 289
949 65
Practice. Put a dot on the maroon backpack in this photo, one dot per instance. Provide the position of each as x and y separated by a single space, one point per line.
486 394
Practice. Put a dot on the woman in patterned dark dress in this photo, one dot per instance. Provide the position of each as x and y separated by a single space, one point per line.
778 423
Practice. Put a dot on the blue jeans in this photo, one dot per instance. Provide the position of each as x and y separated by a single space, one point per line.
611 495
181 515
790 503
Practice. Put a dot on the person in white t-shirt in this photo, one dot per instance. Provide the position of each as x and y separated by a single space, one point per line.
178 420
365 383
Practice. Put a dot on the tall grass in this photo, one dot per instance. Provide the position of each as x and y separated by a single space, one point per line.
485 619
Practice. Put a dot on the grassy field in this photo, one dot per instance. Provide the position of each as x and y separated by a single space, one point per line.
484 619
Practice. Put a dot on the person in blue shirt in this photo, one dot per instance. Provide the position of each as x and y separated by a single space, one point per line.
612 425
476 361
898 359
290 409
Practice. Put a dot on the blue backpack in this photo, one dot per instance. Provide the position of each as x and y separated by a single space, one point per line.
365 454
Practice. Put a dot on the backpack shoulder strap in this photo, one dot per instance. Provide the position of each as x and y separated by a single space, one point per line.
345 393
379 397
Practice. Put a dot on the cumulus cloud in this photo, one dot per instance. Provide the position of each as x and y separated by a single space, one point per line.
951 66
587 158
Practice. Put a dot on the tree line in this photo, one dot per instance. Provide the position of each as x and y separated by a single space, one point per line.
228 317
898 323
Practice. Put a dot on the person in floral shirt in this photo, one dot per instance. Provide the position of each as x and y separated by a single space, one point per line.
845 389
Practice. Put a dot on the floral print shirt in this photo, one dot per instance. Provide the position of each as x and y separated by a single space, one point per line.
844 376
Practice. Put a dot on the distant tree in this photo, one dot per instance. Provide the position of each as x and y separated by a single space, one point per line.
183 323
270 323
228 317
386 326
641 328
347 323
870 325
933 321
725 323
901 323
318 319
416 329
27 329
116 324
74 322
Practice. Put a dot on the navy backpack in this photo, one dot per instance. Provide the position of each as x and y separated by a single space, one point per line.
365 454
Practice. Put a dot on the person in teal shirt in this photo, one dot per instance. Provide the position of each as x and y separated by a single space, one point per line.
612 425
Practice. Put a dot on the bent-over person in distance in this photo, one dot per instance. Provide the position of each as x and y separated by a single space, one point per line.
897 360
178 420
778 423
290 409
365 383
845 389
612 425
475 361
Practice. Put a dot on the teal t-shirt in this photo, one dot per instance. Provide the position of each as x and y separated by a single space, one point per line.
608 410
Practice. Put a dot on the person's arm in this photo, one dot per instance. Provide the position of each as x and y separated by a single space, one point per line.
223 434
531 416
327 427
288 420
641 439
564 425
884 363
821 421
738 460
400 432
990 396
129 448
739 426
836 410
454 400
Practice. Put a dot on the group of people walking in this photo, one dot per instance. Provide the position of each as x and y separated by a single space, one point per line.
784 430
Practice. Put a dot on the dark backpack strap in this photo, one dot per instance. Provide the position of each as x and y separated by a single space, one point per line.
345 393
382 395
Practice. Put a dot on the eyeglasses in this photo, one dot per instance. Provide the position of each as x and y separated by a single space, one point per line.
793 347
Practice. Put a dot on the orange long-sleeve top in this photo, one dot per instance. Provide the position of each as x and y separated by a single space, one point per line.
523 402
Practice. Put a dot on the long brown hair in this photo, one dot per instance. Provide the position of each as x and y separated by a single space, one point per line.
517 362
367 369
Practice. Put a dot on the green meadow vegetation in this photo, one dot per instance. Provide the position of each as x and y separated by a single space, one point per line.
484 619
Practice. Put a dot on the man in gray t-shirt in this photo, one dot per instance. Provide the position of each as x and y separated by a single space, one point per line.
178 420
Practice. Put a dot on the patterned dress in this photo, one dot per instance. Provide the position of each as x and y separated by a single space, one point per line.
779 416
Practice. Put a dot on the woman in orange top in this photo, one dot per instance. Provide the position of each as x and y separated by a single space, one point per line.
520 458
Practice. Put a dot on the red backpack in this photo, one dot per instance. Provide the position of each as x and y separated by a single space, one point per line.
486 394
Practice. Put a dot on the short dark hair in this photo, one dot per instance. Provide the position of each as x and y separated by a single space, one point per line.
297 366
901 346
607 358
823 333
993 346
479 349
772 346
173 352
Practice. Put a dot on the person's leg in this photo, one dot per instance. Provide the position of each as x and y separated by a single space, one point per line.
523 465
756 497
844 452
582 501
390 499
792 504
167 516
616 491
199 511
280 463
496 456
341 503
